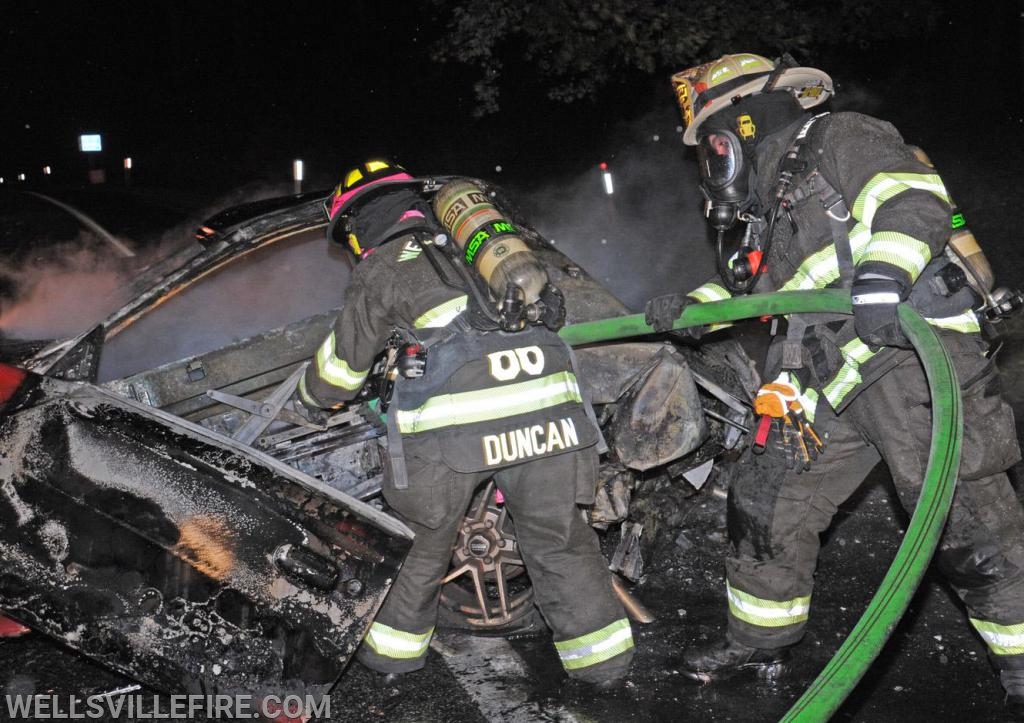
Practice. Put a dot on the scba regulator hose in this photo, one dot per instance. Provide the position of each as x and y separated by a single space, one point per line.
835 682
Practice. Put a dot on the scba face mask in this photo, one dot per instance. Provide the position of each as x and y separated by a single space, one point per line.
724 178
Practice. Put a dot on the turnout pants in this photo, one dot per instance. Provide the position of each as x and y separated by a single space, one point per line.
776 516
571 581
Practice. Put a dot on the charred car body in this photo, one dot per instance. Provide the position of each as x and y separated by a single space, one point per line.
163 512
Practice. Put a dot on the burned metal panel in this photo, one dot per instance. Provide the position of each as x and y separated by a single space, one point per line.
246 367
660 417
180 559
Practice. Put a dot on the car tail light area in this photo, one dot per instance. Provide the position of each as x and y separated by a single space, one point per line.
11 378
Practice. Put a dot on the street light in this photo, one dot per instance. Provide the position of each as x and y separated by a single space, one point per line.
91 144
297 172
606 176
128 171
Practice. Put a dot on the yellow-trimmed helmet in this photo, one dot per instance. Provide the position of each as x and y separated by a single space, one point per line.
358 185
706 89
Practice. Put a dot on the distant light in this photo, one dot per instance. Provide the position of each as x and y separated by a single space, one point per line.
656 138
127 163
679 129
1 179
607 177
603 166
21 176
46 170
297 170
90 143
497 169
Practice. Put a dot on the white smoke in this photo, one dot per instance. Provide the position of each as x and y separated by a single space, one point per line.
646 238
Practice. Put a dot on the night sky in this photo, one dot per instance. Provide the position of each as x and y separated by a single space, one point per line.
213 95
222 93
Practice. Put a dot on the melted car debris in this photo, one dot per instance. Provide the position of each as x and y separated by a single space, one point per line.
127 535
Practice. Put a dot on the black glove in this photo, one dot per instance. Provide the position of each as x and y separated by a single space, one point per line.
875 299
314 415
661 312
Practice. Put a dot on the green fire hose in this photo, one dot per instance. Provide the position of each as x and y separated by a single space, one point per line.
865 641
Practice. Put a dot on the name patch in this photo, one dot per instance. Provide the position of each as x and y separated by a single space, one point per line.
538 439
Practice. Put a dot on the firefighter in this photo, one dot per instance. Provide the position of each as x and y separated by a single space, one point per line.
839 200
468 405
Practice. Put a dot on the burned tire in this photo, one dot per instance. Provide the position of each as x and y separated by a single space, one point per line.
488 591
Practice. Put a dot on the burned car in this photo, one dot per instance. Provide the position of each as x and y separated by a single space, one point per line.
165 513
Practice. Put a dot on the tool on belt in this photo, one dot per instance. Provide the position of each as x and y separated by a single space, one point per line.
782 412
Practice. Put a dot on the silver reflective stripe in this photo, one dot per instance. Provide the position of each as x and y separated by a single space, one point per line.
881 297
767 613
884 186
1001 639
966 322
822 267
447 410
596 647
393 643
442 314
712 292
336 371
898 249
855 353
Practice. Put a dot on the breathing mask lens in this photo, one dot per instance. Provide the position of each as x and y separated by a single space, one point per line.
724 177
720 158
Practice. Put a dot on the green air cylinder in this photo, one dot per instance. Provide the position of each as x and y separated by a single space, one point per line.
488 241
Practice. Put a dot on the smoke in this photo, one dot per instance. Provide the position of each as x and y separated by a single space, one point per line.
64 292
649 236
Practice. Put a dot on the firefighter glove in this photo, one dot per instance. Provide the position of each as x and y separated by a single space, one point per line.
661 312
780 402
875 299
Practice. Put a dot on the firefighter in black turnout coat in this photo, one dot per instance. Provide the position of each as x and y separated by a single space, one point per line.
839 200
476 405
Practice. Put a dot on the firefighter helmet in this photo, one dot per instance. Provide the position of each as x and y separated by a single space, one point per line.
708 88
360 184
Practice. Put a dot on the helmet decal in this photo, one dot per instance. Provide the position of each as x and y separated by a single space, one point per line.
707 88
745 127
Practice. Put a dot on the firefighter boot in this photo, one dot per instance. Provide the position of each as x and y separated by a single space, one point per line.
1013 684
726 658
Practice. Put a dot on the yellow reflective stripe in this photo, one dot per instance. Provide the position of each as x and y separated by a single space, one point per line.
596 647
822 267
767 613
393 643
304 394
1001 639
710 292
486 404
855 353
809 401
860 237
884 186
815 272
966 322
442 314
336 371
898 249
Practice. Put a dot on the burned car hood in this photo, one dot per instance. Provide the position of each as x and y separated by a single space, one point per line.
178 557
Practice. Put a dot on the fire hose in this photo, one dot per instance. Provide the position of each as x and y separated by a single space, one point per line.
849 664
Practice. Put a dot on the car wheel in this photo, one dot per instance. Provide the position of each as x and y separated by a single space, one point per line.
488 590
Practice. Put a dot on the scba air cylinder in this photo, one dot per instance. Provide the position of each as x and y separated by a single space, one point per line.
488 241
